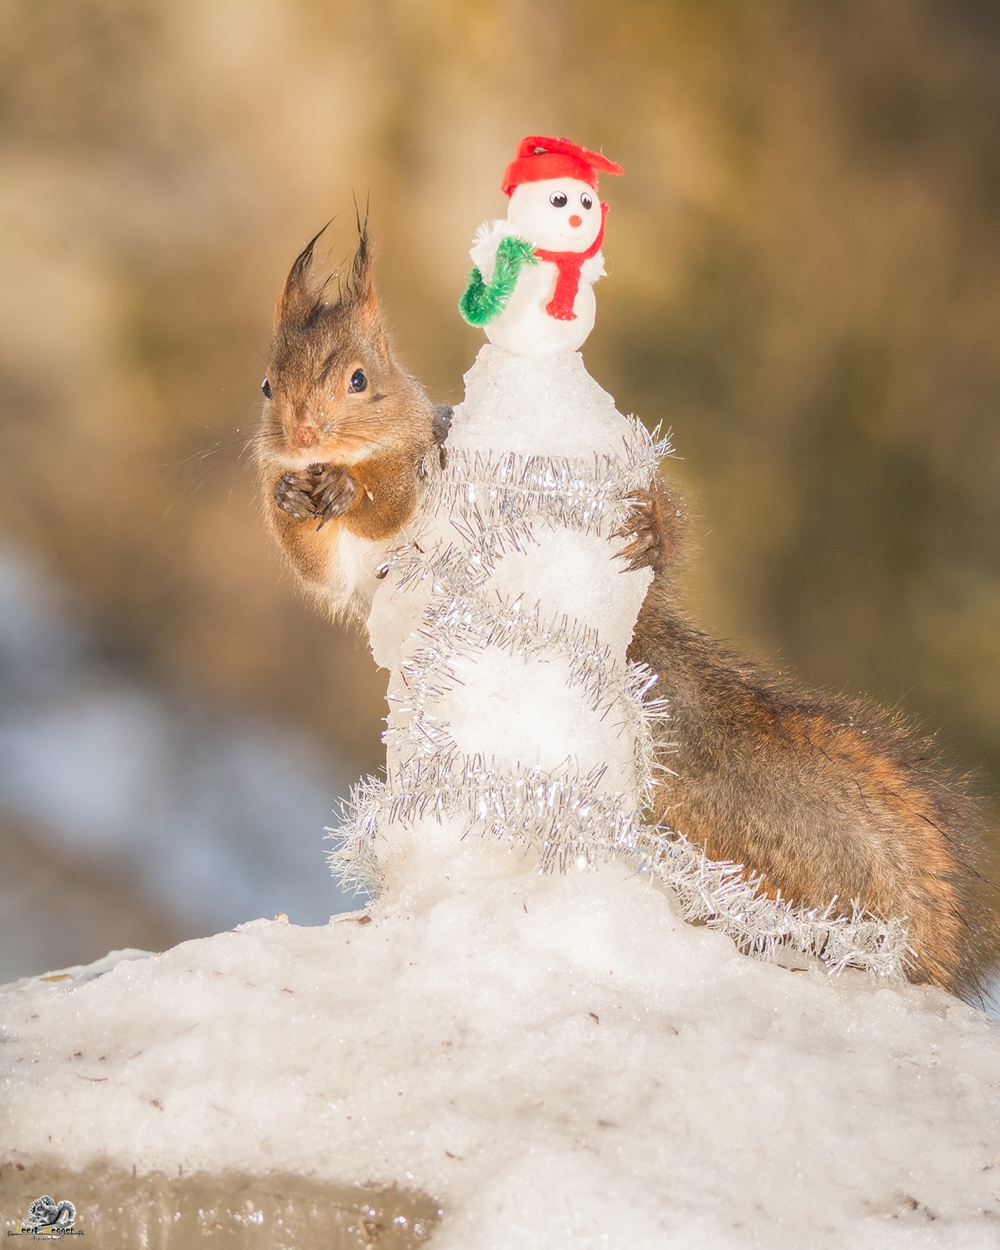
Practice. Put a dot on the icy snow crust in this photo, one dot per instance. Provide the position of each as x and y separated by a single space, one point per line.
554 1057
558 1060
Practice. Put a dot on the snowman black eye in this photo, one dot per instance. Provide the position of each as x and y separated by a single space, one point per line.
358 380
558 199
265 386
586 201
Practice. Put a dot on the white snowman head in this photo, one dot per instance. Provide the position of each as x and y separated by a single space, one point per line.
554 207
552 187
557 214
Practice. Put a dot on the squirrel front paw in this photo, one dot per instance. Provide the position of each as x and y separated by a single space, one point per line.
293 494
335 493
654 524
322 491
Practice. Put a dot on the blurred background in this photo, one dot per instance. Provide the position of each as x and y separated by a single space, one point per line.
804 258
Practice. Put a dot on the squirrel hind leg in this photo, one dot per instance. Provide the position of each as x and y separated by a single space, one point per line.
925 835
956 939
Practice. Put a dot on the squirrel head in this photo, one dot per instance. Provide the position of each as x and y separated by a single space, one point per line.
332 386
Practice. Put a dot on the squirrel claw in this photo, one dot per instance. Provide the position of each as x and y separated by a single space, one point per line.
653 525
323 490
293 494
442 421
638 554
442 428
334 493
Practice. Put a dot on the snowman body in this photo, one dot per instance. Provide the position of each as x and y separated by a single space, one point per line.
556 215
526 329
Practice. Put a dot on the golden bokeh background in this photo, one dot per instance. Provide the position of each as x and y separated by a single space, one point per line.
804 258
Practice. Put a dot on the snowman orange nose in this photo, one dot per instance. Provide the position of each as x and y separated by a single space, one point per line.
575 221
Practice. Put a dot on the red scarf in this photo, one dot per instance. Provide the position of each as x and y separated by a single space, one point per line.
569 264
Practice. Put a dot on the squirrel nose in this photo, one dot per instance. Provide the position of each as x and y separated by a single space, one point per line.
575 221
304 435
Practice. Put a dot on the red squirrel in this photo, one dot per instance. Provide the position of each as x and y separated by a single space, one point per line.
344 433
829 799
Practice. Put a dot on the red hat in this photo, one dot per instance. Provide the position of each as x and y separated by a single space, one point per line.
538 158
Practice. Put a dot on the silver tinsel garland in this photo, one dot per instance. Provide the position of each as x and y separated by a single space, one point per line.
497 504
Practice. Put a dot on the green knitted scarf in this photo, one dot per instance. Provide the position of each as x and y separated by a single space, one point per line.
483 302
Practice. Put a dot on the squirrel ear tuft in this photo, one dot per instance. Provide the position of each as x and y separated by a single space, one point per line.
362 284
299 296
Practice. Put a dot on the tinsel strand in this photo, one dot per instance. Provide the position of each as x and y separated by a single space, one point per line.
567 820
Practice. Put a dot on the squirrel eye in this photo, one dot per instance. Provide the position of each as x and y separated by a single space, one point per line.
586 201
265 386
558 199
358 380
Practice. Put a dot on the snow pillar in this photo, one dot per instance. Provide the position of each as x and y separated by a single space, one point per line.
504 621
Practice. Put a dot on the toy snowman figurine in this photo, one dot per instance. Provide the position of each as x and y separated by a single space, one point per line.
532 288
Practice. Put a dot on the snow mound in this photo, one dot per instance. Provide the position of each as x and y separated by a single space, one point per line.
556 1060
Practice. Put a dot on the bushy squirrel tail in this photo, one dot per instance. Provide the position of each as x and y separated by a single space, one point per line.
829 798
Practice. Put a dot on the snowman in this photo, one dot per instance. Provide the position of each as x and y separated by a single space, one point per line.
532 287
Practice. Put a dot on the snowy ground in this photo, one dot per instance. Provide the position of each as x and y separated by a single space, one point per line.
555 1060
